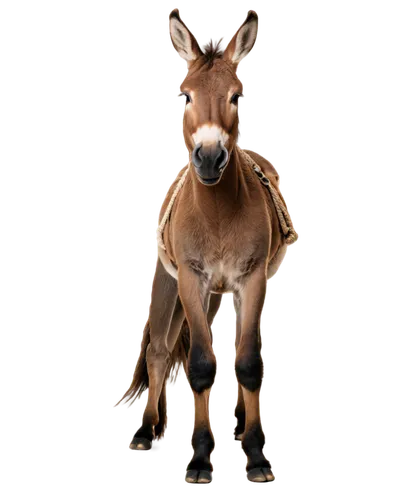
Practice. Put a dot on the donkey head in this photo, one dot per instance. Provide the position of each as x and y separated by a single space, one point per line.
212 91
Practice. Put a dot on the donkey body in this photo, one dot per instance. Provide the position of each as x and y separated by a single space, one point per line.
223 235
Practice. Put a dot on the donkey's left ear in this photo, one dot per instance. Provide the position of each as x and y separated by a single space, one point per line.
243 41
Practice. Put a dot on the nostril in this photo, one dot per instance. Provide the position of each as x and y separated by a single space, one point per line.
222 158
197 156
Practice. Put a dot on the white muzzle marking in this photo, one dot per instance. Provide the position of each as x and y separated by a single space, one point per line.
210 134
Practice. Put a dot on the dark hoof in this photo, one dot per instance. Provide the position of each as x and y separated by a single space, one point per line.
198 476
238 437
140 444
260 475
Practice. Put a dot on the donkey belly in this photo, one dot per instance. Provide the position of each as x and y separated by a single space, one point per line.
169 266
276 261
226 277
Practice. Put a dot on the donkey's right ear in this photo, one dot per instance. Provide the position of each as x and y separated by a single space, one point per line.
183 41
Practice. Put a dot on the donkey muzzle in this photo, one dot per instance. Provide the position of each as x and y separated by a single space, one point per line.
209 162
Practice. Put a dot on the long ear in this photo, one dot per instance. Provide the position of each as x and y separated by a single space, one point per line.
243 41
183 41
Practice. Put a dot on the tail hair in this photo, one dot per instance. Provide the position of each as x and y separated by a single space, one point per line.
180 353
140 381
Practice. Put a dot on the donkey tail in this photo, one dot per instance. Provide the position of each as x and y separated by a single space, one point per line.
140 381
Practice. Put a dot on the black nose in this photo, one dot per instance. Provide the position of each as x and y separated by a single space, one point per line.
209 160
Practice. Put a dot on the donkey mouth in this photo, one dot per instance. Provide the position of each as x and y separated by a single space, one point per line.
209 182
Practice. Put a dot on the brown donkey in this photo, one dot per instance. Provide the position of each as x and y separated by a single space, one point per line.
222 234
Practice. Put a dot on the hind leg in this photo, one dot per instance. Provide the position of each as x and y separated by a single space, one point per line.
175 329
172 336
159 428
163 303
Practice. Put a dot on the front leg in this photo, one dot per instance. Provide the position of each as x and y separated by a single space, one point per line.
195 296
249 371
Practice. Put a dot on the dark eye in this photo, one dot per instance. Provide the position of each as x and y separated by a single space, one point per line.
188 98
185 98
235 98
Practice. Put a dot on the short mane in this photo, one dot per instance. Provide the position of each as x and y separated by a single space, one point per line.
213 51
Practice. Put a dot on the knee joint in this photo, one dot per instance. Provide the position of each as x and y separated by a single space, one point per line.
202 368
249 370
157 354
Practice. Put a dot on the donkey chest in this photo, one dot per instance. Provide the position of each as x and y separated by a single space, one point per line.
225 258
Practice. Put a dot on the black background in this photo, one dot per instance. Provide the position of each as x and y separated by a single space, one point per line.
132 100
